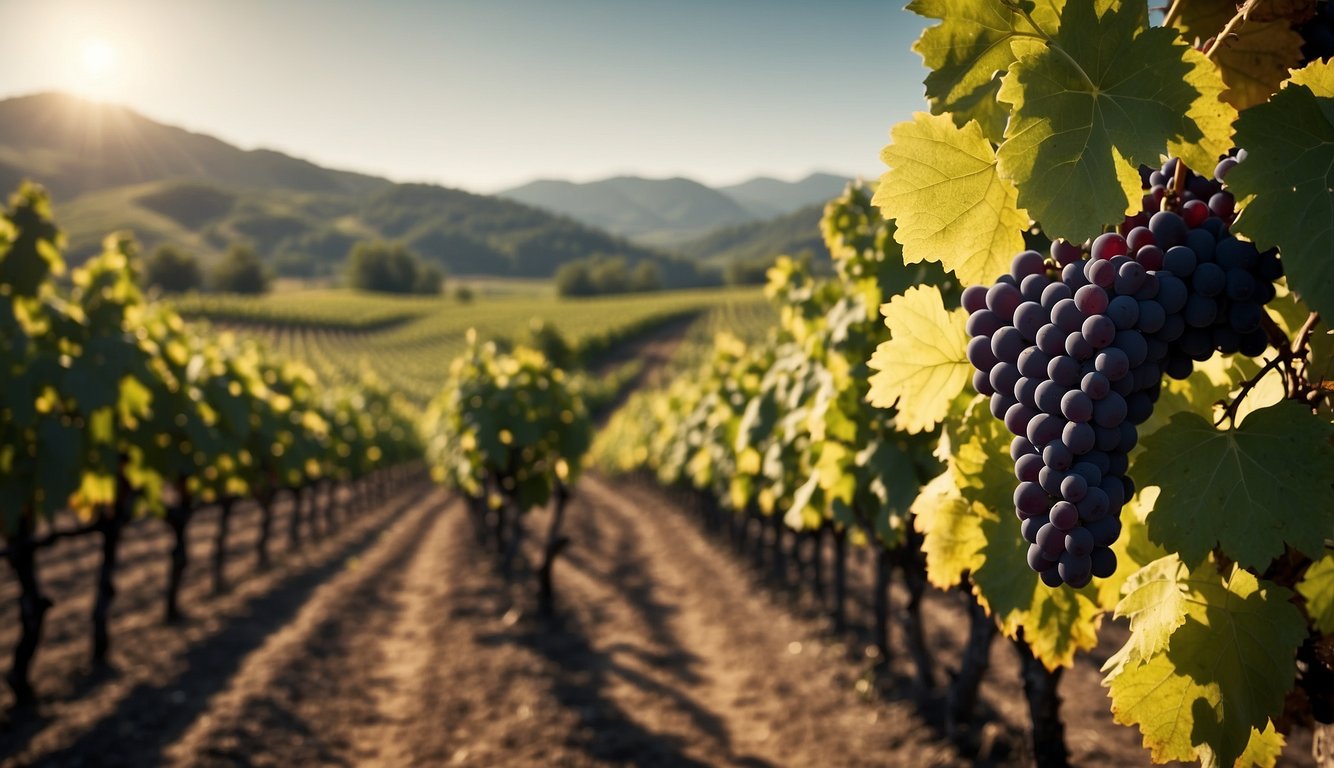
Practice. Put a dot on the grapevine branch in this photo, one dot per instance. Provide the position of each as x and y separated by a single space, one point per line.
1172 13
68 533
1242 13
1291 356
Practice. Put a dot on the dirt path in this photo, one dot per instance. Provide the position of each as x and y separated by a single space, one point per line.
663 655
398 644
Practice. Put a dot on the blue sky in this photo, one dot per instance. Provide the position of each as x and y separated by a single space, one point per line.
487 95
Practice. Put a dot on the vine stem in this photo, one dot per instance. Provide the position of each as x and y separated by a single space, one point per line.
1232 23
1172 13
1296 387
1230 413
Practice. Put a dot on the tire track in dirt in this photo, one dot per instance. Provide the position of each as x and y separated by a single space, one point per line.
698 658
307 692
162 676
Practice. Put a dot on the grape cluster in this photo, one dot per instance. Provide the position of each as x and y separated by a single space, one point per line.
1072 348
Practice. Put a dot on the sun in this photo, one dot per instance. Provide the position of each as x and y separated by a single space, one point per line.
98 57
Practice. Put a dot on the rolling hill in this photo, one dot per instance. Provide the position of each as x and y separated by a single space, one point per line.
110 168
759 242
767 198
653 211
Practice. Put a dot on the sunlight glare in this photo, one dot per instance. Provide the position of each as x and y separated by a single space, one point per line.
98 57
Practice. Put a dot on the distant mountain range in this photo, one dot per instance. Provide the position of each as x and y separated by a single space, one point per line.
671 212
109 168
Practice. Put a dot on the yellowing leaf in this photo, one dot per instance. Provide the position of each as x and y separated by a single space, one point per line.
924 365
1254 60
1155 603
951 529
1223 674
1251 489
1318 589
948 200
966 51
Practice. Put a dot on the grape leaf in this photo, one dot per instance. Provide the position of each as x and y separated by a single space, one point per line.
1318 589
1133 549
1223 673
1288 177
965 52
952 537
924 365
1264 748
947 199
1251 489
1155 603
1255 58
1106 94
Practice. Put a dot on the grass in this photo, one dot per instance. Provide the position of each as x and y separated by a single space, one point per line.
409 342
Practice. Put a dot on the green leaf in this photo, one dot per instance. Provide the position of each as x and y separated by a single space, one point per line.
1317 586
1251 489
1223 674
1288 177
1107 94
924 365
948 200
966 51
1255 58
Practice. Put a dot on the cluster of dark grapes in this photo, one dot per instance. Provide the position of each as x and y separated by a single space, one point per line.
1071 349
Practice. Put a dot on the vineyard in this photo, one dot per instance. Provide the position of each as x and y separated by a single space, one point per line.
1041 474
412 341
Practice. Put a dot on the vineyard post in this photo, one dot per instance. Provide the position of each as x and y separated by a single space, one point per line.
178 517
265 498
312 516
220 545
778 556
514 540
962 696
111 522
884 565
33 605
1044 707
911 563
294 521
840 608
817 564
554 545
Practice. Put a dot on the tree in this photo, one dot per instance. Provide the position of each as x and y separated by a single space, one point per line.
173 270
240 271
646 277
573 279
430 280
389 267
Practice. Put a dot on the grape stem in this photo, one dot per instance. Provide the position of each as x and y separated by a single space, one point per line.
1230 413
1242 12
1173 196
1291 355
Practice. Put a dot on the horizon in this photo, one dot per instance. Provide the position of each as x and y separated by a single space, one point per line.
362 90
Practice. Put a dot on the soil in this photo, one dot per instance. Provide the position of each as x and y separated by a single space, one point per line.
397 642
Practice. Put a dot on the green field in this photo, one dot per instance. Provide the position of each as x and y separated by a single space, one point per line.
410 341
